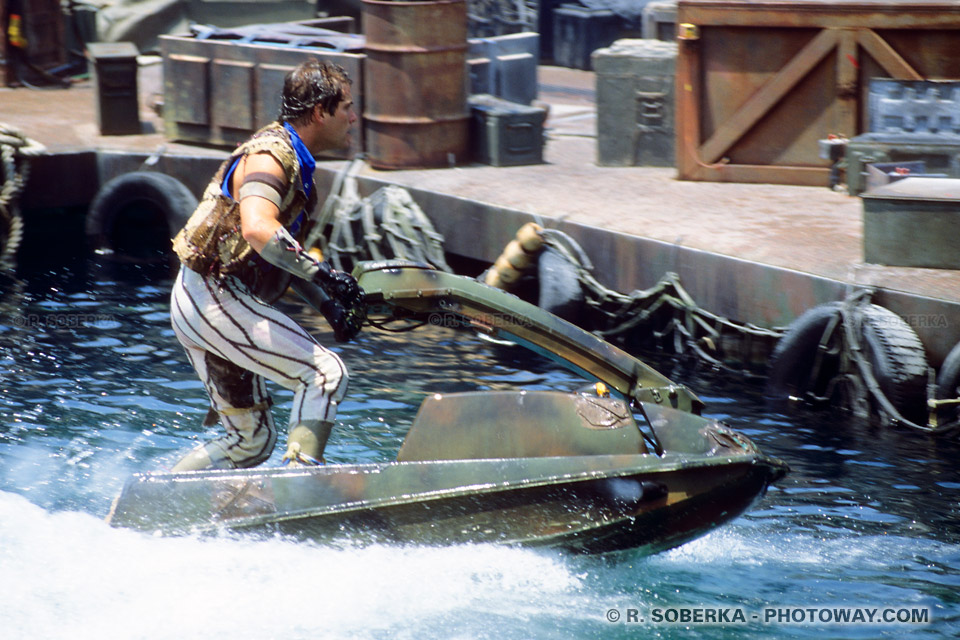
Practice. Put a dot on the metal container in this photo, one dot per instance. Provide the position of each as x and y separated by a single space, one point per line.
505 66
218 92
912 223
415 83
635 103
926 106
910 121
579 31
940 154
760 82
114 66
506 133
660 20
38 26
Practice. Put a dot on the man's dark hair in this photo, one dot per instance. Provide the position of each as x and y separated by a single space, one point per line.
310 84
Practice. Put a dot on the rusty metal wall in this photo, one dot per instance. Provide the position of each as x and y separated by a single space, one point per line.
760 82
219 92
416 83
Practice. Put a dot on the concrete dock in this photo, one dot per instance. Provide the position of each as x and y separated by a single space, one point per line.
753 253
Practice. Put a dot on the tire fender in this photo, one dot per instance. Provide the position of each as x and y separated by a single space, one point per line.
948 385
156 194
792 360
897 359
560 290
892 348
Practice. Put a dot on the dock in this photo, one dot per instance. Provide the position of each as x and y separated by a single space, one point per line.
755 253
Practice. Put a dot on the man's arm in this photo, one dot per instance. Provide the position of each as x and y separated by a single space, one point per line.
261 228
259 183
259 216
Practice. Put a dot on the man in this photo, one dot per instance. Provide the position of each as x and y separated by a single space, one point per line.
240 251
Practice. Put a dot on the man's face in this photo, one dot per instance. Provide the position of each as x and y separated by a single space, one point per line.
337 126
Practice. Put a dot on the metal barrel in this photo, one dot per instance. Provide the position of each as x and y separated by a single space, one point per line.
415 83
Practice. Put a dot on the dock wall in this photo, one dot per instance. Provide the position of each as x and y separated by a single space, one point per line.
742 290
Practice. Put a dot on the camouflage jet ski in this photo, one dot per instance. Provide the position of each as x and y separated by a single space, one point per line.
544 468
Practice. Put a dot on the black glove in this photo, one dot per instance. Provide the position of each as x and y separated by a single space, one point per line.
338 285
345 320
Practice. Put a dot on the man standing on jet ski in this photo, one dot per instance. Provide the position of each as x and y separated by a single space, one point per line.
240 251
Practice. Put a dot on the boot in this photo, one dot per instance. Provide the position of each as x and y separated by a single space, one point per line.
206 456
306 442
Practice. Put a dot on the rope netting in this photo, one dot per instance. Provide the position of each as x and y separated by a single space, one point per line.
388 224
667 314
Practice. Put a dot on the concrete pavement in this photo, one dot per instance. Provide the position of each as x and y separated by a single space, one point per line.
803 234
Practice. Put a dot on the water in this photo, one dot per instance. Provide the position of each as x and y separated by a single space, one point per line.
94 387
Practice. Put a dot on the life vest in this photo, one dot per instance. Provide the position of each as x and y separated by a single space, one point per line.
211 243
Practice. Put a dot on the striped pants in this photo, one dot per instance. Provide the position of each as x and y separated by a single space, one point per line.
236 342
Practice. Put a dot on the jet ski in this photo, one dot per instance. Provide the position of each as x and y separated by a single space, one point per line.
627 462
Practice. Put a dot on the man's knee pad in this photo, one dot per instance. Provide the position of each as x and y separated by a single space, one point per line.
251 434
235 385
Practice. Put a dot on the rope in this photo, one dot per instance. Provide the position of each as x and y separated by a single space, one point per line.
15 149
691 329
854 358
389 224
667 313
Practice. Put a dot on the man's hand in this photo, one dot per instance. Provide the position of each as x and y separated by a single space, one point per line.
338 285
346 321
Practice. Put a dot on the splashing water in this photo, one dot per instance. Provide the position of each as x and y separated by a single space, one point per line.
94 387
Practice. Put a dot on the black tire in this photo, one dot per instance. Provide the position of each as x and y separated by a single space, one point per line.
948 386
792 360
560 291
135 215
898 361
895 353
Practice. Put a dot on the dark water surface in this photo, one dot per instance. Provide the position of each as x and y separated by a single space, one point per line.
94 387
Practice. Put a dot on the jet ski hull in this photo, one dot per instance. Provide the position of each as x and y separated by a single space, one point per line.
582 503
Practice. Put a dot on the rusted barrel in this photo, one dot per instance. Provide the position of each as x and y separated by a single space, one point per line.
414 83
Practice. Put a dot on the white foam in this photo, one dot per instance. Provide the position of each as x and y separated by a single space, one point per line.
70 575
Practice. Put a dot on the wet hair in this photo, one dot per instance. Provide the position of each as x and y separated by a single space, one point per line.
310 84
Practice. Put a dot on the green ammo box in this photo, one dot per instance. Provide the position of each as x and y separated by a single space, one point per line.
635 113
505 133
114 66
913 222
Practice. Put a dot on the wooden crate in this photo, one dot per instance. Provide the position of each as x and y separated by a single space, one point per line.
760 82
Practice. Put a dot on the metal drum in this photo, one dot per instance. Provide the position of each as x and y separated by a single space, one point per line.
415 83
